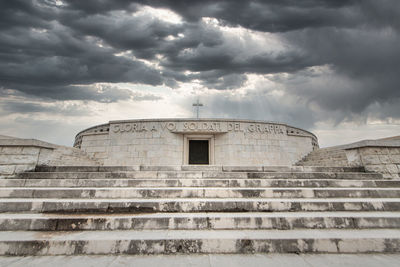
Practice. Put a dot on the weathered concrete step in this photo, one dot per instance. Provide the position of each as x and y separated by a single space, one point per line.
325 162
198 175
197 192
197 182
208 260
327 152
199 241
316 175
199 221
330 154
197 205
195 168
331 169
128 168
325 157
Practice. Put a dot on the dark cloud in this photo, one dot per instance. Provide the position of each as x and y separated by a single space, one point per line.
230 81
143 35
269 16
62 49
20 13
58 58
99 6
29 107
365 65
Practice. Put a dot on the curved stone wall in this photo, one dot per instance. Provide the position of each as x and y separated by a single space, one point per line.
166 141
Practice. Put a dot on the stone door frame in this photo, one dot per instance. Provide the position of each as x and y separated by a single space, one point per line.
211 141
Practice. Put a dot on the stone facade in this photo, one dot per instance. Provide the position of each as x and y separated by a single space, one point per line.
165 142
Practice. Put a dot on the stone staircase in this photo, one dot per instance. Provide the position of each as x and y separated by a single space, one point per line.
198 209
325 157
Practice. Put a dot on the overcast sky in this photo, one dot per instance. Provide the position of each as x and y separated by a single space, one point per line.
331 67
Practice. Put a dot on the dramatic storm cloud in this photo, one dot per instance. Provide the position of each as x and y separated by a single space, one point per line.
327 66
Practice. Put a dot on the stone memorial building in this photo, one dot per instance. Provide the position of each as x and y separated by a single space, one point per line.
184 186
196 141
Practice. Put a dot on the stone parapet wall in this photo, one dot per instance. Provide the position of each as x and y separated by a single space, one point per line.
19 155
384 160
18 159
381 156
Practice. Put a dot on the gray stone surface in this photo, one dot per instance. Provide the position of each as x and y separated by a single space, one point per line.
201 221
198 175
275 260
19 155
380 156
199 241
165 142
198 205
151 182
65 210
196 192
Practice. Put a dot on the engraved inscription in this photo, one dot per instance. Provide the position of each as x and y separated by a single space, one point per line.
199 127
202 127
133 127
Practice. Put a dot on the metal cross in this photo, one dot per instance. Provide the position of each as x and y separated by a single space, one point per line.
197 105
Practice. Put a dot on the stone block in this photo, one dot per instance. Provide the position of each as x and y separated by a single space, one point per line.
91 137
392 168
394 150
160 168
353 157
18 159
117 149
385 159
374 151
7 169
281 168
370 159
100 155
11 150
242 168
395 158
95 149
24 168
30 150
375 168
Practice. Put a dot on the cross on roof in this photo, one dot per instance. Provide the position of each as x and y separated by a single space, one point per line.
197 105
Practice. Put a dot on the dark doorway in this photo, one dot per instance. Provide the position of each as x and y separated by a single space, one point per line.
198 152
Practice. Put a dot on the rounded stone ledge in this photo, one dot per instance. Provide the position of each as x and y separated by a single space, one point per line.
172 142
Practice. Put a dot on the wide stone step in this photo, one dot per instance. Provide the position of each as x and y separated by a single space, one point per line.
194 168
316 175
198 175
199 241
199 221
197 205
197 192
197 183
325 157
325 162
327 152
330 169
